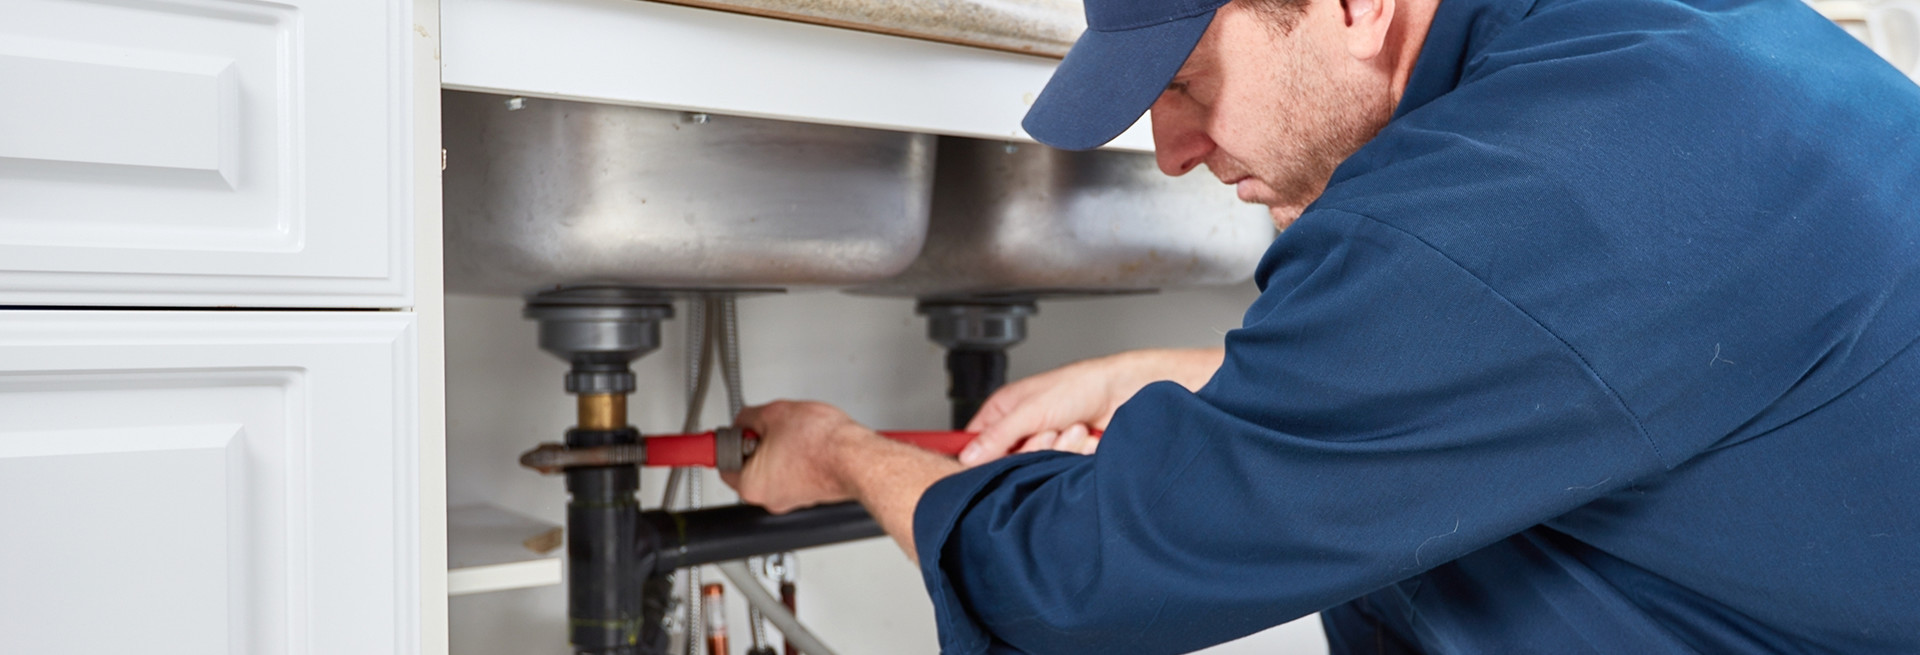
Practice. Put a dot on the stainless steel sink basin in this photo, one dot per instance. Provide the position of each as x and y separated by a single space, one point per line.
542 193
1027 220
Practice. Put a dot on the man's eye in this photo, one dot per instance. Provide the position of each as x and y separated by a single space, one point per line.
1178 87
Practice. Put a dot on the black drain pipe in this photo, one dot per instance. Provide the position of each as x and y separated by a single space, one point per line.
976 335
723 534
603 608
600 331
972 377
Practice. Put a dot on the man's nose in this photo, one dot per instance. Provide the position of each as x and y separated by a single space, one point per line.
1180 141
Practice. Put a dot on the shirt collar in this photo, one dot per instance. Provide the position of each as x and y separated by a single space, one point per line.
1461 30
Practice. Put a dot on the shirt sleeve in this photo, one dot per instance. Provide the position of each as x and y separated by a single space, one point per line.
1381 412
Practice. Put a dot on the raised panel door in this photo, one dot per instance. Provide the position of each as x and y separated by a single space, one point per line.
205 153
208 482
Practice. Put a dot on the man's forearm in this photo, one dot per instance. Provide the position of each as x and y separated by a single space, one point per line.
1189 367
888 477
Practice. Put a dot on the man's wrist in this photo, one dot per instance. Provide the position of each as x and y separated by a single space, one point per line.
844 448
886 476
862 462
1190 367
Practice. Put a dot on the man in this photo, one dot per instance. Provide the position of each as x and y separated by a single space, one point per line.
1595 333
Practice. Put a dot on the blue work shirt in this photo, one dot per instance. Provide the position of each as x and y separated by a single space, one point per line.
1605 344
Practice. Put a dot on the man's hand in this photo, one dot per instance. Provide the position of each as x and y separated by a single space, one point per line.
1053 410
811 453
796 463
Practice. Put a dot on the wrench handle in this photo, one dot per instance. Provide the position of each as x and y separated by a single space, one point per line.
698 450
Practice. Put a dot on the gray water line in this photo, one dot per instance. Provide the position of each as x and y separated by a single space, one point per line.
770 607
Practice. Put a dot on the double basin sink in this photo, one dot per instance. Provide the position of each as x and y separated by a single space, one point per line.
544 194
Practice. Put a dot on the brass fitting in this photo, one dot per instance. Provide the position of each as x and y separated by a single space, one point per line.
603 411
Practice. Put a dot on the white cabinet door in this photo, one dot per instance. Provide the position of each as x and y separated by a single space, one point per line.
208 482
205 152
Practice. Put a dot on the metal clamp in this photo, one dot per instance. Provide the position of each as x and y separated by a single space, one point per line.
731 448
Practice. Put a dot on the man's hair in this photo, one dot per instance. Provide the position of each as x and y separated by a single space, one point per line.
1281 15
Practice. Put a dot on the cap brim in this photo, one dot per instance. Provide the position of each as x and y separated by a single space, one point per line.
1108 80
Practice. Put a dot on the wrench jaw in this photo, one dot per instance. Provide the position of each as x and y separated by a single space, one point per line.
553 458
548 459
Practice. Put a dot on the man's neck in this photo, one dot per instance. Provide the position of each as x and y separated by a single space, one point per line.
1408 36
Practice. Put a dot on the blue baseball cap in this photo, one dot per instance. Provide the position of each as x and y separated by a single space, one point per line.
1128 54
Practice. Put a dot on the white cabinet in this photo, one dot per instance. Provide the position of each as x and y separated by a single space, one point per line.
187 481
208 482
206 153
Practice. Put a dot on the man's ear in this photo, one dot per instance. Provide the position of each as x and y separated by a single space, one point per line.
1368 22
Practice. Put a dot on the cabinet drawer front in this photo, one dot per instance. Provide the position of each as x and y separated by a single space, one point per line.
201 483
205 152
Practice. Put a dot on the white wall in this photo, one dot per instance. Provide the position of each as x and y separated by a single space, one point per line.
869 356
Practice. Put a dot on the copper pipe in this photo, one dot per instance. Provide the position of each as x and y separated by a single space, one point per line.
603 411
713 601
